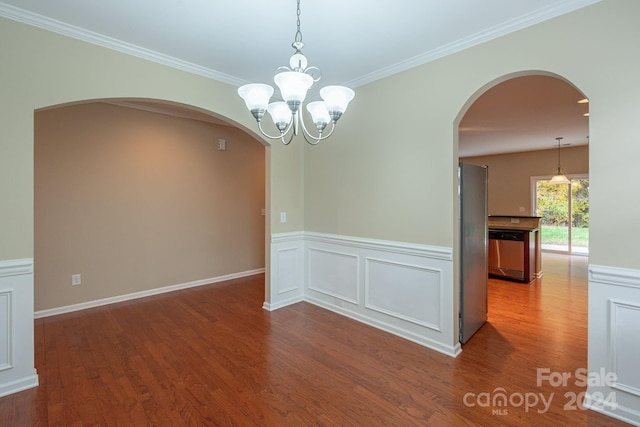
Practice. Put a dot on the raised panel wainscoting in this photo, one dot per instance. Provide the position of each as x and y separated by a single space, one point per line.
17 368
287 270
402 288
614 342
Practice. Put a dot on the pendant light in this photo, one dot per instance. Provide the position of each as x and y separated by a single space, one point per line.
559 178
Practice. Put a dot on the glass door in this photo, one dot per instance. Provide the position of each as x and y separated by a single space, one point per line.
565 214
579 216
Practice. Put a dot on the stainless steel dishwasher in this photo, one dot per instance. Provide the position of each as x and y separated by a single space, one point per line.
507 254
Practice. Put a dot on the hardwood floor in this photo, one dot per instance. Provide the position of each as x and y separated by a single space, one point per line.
212 356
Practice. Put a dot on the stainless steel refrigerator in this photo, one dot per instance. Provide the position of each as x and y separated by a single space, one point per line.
472 188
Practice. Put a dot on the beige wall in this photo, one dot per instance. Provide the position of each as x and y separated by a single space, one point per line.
389 171
510 175
46 69
42 69
135 200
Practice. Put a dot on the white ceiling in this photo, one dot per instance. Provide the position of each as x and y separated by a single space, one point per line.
353 42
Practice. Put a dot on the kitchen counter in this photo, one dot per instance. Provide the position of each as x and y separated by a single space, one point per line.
513 227
504 222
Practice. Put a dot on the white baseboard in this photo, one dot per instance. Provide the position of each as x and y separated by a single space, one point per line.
271 307
135 295
403 333
19 385
622 413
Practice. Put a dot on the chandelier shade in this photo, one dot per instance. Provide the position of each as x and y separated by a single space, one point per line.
280 114
294 82
319 114
293 85
337 97
256 97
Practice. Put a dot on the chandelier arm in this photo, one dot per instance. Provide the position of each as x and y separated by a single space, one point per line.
310 139
313 72
290 138
281 69
333 127
307 135
281 136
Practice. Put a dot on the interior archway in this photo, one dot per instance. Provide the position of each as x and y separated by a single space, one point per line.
139 195
539 141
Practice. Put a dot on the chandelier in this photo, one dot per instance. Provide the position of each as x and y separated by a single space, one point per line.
294 82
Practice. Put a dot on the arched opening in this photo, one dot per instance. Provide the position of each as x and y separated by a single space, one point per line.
138 196
520 127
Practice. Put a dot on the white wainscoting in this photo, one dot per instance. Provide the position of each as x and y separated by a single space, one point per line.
286 270
614 342
405 291
6 329
333 273
402 288
17 368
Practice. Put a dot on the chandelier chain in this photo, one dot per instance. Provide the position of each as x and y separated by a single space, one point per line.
298 37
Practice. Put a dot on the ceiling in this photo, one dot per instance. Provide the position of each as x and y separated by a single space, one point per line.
524 114
353 42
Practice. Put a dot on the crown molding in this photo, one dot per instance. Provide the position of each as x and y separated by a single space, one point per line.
524 21
53 25
49 24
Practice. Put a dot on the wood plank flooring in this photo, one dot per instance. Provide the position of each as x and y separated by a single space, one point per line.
212 356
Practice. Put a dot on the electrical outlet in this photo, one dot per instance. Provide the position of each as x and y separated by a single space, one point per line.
76 279
283 217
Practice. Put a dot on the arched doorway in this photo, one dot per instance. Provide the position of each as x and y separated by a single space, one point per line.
138 196
518 117
514 127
